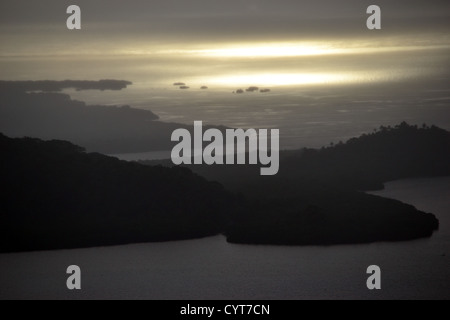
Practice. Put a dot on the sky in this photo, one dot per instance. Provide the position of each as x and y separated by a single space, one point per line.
115 26
225 43
288 45
142 12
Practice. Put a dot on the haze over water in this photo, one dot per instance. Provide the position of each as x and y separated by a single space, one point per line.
320 93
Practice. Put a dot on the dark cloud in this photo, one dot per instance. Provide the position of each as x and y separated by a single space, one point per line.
138 12
42 24
55 86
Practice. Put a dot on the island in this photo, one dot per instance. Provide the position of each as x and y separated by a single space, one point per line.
39 109
58 196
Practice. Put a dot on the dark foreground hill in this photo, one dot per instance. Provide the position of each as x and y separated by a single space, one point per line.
54 195
57 196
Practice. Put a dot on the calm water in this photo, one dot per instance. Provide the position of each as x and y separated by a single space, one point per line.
212 269
310 116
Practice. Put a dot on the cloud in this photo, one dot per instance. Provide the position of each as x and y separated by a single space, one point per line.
55 86
167 13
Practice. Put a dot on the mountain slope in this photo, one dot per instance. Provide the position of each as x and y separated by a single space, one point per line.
57 196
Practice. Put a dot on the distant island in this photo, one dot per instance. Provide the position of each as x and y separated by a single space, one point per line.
251 90
59 196
38 109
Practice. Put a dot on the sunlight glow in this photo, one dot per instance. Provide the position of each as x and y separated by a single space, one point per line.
274 50
280 50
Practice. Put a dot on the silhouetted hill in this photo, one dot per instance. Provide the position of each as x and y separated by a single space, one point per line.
36 109
315 199
327 216
367 162
55 195
362 163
